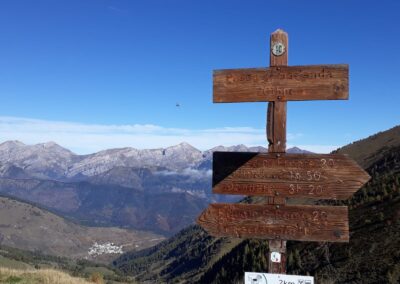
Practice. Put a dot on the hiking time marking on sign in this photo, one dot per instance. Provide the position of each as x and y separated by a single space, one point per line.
317 176
288 222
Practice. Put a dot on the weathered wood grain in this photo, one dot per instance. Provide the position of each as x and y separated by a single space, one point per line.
276 127
287 222
318 176
281 83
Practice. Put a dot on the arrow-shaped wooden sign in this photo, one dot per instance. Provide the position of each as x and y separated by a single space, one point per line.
289 222
319 176
281 83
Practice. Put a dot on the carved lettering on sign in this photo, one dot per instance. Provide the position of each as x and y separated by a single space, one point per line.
279 92
291 222
279 73
248 188
289 175
283 83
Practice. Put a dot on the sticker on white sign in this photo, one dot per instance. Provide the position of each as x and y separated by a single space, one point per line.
269 278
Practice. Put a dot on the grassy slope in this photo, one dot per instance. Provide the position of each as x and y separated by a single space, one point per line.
371 149
17 259
6 262
32 276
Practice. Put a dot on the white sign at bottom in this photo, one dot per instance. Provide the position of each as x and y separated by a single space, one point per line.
269 278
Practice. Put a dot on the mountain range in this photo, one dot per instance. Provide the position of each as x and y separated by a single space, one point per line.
159 190
51 161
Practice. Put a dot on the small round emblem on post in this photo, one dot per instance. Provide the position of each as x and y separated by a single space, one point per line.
275 257
278 48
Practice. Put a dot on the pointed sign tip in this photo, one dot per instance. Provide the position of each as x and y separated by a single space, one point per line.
366 178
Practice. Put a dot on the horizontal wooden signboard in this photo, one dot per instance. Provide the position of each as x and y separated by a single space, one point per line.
319 176
283 83
287 222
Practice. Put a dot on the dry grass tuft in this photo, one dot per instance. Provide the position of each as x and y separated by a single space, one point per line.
40 276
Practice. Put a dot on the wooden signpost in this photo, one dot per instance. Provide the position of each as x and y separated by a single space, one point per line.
276 174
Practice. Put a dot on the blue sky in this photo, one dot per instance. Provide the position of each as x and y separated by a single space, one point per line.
95 74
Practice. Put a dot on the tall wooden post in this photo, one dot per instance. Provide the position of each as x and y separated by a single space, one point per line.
276 135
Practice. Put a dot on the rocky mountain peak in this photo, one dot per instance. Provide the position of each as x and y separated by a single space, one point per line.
12 144
297 150
52 147
184 146
50 144
45 160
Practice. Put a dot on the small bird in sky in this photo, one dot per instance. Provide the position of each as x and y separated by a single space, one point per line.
177 105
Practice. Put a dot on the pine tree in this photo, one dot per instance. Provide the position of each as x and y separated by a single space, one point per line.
290 259
297 258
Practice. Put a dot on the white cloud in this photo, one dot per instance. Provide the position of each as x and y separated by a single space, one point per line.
88 138
194 173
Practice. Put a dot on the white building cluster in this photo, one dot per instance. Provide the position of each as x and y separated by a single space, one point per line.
106 248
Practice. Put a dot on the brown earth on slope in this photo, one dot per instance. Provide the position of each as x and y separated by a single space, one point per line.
28 227
369 150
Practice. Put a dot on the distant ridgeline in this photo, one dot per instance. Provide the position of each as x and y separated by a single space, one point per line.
372 256
160 190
